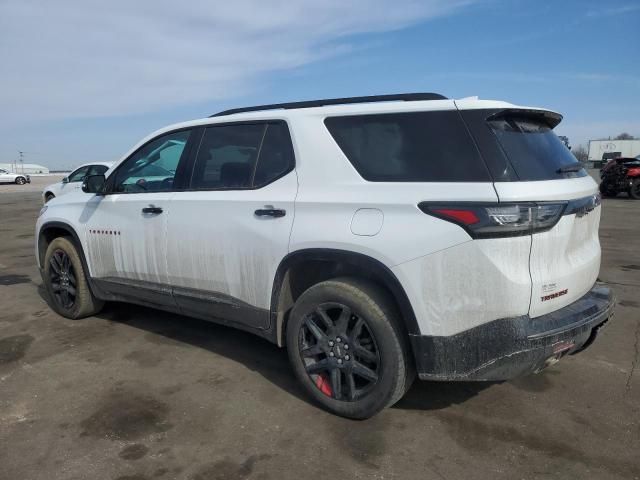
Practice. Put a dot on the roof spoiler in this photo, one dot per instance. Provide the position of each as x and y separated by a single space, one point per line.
550 118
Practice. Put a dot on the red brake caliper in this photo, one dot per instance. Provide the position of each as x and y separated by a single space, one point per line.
322 382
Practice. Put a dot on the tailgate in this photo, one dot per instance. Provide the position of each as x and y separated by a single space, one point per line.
531 166
565 260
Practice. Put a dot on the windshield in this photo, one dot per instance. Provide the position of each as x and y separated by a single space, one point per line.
534 150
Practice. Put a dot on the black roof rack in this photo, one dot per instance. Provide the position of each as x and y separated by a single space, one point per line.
406 97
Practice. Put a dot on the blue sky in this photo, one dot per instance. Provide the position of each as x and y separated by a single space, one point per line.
85 81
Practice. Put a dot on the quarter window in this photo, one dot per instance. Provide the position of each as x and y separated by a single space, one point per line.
153 167
409 147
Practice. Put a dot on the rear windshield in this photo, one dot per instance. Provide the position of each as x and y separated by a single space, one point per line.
409 147
534 151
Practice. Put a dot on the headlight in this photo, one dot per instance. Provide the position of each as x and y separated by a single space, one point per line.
42 210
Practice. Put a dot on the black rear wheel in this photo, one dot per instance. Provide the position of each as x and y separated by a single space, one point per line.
634 189
339 352
21 180
347 348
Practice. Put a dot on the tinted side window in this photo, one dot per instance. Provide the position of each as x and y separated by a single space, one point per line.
409 147
79 174
276 155
153 167
227 156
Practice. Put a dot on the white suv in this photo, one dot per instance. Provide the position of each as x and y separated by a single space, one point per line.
375 237
73 181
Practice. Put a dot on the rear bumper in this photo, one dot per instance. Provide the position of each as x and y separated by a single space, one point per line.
513 347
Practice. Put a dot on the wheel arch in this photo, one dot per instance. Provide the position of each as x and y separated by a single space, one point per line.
302 269
51 230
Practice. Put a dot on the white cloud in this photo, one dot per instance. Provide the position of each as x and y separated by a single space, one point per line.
64 59
610 11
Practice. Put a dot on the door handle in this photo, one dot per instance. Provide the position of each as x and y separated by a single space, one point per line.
269 211
152 210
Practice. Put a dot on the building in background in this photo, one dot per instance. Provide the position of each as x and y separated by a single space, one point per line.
600 151
28 168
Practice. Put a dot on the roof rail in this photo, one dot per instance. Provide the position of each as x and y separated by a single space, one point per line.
405 97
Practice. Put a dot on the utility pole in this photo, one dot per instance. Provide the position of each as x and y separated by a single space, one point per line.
21 161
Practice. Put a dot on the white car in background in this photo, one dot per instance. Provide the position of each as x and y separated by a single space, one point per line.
9 177
73 181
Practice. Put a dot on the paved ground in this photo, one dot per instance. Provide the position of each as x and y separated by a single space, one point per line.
137 394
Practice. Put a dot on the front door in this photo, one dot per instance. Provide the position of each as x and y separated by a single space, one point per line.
74 180
5 176
126 228
229 231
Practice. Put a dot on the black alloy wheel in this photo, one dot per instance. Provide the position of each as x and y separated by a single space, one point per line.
339 352
634 189
62 278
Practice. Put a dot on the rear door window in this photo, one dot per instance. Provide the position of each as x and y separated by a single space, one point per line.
240 156
533 149
276 155
227 156
409 147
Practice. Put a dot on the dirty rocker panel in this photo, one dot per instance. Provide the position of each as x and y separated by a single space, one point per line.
511 347
211 306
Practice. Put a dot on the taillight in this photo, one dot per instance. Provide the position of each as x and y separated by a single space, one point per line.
498 219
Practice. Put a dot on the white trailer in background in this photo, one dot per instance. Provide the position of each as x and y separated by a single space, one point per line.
600 151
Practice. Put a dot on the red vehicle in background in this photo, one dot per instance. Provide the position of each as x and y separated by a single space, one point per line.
621 175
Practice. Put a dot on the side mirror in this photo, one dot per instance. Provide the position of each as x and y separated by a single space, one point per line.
65 180
93 184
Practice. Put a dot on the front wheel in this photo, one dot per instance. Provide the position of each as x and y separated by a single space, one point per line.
634 189
347 348
65 281
21 180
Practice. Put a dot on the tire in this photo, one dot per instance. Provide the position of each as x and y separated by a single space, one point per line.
48 197
634 189
21 180
329 362
607 191
62 268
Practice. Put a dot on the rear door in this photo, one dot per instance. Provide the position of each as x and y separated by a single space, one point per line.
230 229
531 164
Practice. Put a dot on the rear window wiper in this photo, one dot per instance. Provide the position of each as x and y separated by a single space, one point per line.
574 167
